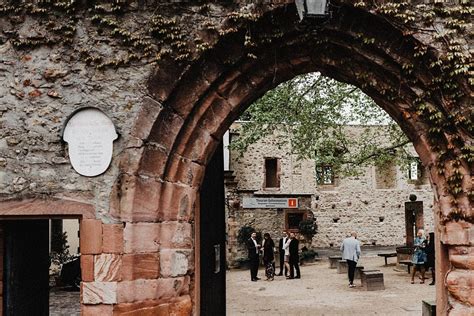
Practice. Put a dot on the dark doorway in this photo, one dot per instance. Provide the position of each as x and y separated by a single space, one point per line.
26 267
212 238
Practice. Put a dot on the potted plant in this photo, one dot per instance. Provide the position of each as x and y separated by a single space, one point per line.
308 255
308 228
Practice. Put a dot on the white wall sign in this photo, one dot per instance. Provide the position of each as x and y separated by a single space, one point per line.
414 170
90 135
261 202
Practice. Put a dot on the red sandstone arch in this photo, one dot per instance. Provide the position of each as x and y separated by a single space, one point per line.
176 134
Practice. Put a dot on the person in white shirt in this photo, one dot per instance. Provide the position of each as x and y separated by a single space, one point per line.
281 252
351 253
286 248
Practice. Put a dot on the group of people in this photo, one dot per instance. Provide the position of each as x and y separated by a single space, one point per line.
423 256
288 249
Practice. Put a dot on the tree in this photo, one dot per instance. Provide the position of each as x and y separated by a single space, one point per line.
315 112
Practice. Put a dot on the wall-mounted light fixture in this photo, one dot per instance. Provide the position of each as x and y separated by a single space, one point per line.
312 9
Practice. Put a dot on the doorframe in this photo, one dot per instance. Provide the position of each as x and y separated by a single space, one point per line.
45 208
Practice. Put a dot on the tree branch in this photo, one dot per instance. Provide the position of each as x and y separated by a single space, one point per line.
376 153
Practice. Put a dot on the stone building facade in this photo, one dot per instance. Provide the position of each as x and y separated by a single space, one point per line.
172 78
372 203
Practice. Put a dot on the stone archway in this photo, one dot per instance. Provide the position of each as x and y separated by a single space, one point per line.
179 128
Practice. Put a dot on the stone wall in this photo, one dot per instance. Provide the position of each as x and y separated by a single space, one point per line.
40 90
372 203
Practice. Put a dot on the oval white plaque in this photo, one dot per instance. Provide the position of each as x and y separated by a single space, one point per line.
90 135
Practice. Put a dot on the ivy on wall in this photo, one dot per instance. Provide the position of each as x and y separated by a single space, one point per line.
114 37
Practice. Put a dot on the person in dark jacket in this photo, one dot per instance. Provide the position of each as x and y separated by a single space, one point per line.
268 247
294 257
254 249
281 251
430 256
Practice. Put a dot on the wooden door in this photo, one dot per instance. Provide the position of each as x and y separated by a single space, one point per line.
26 268
212 238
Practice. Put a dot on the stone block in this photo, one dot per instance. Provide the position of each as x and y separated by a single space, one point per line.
177 202
174 262
458 233
458 309
99 292
141 237
87 268
112 239
144 308
157 289
197 145
153 161
212 112
146 117
372 280
140 266
181 306
185 171
176 235
358 272
131 156
342 266
460 284
191 88
107 267
137 290
333 260
166 128
163 80
94 310
139 200
91 236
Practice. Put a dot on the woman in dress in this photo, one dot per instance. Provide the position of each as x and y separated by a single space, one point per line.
268 255
286 247
419 256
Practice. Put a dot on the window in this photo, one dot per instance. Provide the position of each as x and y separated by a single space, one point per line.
324 174
414 171
293 219
272 173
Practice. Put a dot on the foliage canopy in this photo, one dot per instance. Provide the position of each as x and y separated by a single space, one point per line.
315 112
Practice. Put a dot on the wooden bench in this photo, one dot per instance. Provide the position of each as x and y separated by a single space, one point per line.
387 255
408 263
333 261
372 280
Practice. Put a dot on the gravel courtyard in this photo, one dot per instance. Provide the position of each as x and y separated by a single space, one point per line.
322 291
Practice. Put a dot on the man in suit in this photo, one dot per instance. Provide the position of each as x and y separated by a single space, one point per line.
351 253
281 251
254 249
294 257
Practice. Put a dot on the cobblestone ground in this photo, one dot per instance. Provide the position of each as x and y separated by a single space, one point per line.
322 291
62 303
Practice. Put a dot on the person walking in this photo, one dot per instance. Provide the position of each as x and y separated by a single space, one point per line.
281 251
430 256
268 247
294 257
351 253
253 252
419 256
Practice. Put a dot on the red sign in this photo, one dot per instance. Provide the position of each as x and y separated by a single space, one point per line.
292 203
